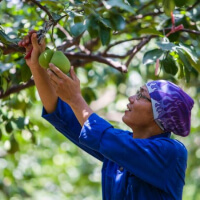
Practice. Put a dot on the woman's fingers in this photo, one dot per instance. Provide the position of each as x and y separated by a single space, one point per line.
35 41
27 39
73 74
43 44
58 72
31 32
53 76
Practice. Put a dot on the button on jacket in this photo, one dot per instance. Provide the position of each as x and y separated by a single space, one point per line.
133 169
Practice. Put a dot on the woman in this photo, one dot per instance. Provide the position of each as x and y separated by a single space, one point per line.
145 164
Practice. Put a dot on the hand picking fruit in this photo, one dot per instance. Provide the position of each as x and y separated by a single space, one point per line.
46 56
49 69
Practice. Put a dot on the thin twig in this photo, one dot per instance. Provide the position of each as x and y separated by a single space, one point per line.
145 6
120 42
110 55
183 30
68 36
137 48
141 16
42 8
193 6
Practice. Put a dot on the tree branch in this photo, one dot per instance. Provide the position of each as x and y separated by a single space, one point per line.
146 5
184 30
194 5
90 57
16 89
69 43
68 36
137 48
92 43
141 16
13 48
191 31
120 42
42 8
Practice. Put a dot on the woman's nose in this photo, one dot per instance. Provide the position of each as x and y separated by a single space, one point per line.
131 98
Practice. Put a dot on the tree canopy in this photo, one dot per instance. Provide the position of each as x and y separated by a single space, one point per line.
114 45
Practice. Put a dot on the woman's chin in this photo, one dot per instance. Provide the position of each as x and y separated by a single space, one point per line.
124 119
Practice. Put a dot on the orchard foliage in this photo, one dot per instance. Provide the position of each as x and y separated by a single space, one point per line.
107 42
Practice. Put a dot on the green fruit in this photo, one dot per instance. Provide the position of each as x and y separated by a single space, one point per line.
58 58
61 61
45 58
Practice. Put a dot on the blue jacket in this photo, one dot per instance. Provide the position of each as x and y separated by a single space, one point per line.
133 169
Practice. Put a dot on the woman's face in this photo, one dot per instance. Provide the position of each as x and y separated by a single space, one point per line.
139 113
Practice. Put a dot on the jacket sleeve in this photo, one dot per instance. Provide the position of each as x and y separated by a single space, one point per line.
152 160
64 120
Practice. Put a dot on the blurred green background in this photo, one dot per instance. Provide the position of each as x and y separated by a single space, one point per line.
39 163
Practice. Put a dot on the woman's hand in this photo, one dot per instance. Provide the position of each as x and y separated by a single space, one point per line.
67 88
30 43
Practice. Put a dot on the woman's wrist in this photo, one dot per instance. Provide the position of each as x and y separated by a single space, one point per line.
80 109
36 68
76 100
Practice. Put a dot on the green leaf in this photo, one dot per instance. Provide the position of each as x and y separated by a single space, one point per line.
169 65
55 4
4 83
104 34
166 46
106 22
0 134
93 32
181 71
6 40
191 56
180 3
25 71
78 29
195 65
184 60
119 3
187 74
131 2
151 56
57 17
20 122
88 94
150 31
92 25
191 53
9 127
118 22
78 19
168 6
14 145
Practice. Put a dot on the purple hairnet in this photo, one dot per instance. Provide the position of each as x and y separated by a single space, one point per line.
171 107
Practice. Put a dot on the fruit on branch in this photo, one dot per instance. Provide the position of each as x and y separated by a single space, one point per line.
58 58
45 58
